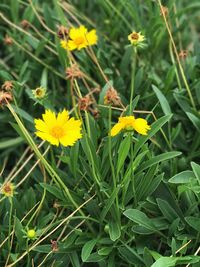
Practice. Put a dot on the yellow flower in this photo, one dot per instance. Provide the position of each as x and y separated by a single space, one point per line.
60 129
31 234
129 123
8 189
136 38
79 38
39 92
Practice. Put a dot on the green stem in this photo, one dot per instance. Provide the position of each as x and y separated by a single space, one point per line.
133 66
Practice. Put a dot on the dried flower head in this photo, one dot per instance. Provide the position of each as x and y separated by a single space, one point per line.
7 86
85 102
25 24
183 54
164 11
95 113
8 189
8 40
39 92
112 97
136 38
73 72
5 98
63 32
54 245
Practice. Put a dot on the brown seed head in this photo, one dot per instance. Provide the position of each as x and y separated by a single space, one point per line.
8 40
5 98
112 98
7 86
85 102
63 32
25 24
54 245
164 11
135 36
183 54
73 72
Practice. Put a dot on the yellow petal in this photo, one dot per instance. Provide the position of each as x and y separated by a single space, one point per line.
141 126
40 125
62 117
92 37
71 45
48 137
116 129
49 117
64 44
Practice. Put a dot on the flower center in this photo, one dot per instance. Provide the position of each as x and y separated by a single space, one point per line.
135 36
7 189
57 132
79 40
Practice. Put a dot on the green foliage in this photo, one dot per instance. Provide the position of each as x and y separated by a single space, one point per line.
128 200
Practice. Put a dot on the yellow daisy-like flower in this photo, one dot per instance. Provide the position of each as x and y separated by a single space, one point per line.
60 129
8 189
129 123
136 38
80 38
39 92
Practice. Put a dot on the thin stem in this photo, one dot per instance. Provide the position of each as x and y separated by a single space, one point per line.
133 66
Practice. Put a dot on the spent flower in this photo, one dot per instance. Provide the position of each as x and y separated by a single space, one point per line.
39 92
79 38
129 123
58 129
8 189
136 39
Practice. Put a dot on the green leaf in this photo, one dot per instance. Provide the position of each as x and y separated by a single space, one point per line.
163 101
114 230
195 120
159 158
11 142
168 212
165 262
182 177
140 218
155 127
196 170
123 152
87 249
53 190
194 222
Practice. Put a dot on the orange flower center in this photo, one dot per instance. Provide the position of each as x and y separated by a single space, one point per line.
7 189
135 36
79 40
57 132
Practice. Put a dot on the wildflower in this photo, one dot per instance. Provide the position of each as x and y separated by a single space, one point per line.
73 72
8 40
164 11
129 123
183 54
63 32
31 234
54 245
85 102
60 129
5 98
7 86
25 24
8 189
112 97
39 92
79 38
136 38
